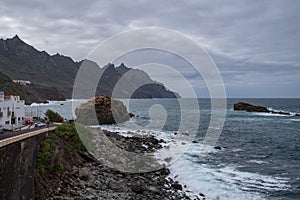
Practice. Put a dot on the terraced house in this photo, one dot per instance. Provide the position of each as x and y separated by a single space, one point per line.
11 111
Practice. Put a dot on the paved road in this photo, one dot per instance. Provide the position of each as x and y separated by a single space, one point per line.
8 134
23 136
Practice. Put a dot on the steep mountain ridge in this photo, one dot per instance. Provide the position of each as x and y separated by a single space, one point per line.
18 60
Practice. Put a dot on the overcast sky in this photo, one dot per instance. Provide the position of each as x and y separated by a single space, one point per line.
255 44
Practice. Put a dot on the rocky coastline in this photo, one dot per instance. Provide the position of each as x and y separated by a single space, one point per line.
67 167
91 179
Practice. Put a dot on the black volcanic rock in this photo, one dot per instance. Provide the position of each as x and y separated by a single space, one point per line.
252 108
249 107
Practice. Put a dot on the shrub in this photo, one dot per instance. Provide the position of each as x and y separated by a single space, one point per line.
54 116
44 155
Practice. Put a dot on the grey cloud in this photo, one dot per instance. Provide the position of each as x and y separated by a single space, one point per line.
244 38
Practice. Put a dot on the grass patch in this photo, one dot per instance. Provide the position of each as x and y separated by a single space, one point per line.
44 155
47 158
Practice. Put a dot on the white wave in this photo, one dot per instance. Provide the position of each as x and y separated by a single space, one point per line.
218 182
83 100
209 181
270 114
290 113
40 104
257 161
295 120
215 182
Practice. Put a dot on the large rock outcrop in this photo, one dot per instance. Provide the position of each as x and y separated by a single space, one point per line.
108 111
249 107
252 108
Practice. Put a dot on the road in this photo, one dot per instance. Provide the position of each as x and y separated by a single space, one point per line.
21 136
8 134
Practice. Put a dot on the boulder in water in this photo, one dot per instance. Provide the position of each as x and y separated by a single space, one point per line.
249 107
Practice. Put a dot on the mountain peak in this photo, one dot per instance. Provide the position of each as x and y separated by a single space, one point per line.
16 37
123 65
109 66
15 40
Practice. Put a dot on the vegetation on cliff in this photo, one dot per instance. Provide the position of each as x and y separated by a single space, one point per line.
57 156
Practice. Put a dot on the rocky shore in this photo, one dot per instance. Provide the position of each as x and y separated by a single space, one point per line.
67 169
89 178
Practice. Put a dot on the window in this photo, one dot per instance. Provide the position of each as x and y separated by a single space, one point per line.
6 122
19 119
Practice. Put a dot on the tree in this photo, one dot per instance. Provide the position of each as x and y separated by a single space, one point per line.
53 116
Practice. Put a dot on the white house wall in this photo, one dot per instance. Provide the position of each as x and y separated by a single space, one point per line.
7 108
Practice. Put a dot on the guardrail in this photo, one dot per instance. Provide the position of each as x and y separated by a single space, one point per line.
23 136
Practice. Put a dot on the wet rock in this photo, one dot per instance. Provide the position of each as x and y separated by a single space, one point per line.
280 112
218 148
252 108
201 194
84 173
138 187
249 107
177 186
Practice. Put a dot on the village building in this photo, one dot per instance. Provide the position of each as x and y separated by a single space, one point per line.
11 111
22 82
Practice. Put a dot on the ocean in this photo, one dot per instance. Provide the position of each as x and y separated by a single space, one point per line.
259 156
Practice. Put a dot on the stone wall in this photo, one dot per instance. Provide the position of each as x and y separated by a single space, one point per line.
17 165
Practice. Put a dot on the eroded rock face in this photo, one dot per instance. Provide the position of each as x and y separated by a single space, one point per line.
102 110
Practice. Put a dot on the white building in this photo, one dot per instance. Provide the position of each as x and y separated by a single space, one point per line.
22 82
11 111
